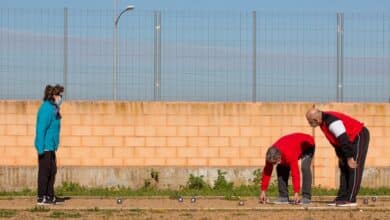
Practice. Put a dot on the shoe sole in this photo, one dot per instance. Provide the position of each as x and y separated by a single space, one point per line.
45 204
347 205
281 203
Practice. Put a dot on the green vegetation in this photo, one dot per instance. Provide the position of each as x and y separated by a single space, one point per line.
4 213
39 209
23 192
136 210
221 183
59 214
186 214
95 209
195 186
197 183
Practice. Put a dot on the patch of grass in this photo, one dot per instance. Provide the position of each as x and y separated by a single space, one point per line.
319 191
4 213
221 183
155 175
96 209
69 187
197 183
231 197
174 194
135 210
23 192
39 209
106 213
256 177
158 211
59 214
185 214
375 191
239 214
195 186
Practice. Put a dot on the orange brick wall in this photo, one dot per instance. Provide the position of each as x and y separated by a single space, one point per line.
182 134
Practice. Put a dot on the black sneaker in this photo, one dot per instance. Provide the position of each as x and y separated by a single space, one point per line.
58 200
40 200
334 202
45 201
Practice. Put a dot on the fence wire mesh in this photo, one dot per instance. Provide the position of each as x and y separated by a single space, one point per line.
196 55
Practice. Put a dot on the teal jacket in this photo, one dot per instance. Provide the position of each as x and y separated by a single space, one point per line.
48 125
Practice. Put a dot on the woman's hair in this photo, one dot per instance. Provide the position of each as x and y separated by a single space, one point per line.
51 91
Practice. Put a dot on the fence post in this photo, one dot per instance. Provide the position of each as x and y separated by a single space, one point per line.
65 51
157 56
114 53
254 56
340 55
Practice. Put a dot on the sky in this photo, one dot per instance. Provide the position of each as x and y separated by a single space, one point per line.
205 55
240 5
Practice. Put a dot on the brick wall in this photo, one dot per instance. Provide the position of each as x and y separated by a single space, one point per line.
170 134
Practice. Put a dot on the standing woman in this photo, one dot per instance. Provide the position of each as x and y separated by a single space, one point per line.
47 137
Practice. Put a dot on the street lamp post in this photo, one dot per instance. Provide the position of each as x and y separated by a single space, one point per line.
115 46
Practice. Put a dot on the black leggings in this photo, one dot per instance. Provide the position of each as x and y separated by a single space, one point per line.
47 173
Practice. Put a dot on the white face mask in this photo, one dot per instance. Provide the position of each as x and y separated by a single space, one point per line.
59 101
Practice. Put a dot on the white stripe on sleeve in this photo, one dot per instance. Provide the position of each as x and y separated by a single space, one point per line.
337 128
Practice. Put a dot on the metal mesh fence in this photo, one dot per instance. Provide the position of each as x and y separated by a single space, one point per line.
196 55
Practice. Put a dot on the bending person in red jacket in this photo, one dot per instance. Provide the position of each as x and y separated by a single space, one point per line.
285 153
350 140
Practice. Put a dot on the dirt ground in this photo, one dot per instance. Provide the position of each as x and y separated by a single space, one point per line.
204 208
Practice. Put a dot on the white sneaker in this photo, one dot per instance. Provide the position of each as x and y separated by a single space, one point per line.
346 204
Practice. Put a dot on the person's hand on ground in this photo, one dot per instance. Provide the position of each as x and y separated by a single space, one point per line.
262 197
296 198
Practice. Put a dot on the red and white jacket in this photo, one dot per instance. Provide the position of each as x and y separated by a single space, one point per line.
341 131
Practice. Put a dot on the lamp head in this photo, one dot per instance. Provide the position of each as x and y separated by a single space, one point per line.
130 7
